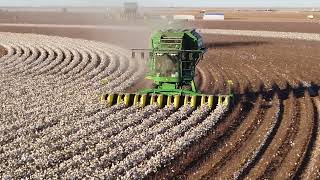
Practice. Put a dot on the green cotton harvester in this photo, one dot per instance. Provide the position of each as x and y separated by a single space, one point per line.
172 62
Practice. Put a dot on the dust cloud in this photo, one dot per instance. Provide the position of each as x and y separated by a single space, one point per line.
106 25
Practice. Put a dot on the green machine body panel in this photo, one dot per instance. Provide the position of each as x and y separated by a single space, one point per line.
173 57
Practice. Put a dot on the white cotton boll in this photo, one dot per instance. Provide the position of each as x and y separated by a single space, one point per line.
170 150
49 85
54 127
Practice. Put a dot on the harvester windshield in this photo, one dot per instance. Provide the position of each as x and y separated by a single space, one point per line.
166 65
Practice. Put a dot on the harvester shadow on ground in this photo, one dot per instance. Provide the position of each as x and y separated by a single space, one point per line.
246 101
210 45
283 94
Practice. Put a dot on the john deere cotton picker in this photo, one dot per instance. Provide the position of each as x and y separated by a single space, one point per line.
172 62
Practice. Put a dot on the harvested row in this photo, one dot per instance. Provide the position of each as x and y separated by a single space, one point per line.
254 132
227 130
300 144
286 147
312 169
228 139
276 61
285 137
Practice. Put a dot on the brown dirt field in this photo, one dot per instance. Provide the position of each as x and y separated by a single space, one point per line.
246 14
261 69
280 16
272 132
81 18
273 72
3 51
303 27
269 63
311 162
242 20
226 148
72 17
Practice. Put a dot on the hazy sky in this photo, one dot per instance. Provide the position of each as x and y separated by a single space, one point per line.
199 3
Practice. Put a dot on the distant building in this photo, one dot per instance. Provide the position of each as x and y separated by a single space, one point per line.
310 17
183 17
213 16
130 9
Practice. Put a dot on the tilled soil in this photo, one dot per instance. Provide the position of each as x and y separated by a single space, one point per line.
303 27
277 138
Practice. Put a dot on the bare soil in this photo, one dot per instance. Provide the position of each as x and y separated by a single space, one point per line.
3 51
304 27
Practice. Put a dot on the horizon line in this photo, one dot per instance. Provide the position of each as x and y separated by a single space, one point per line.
227 7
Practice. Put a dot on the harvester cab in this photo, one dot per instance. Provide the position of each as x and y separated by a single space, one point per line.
172 62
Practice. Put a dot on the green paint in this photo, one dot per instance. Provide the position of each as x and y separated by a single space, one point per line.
173 58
